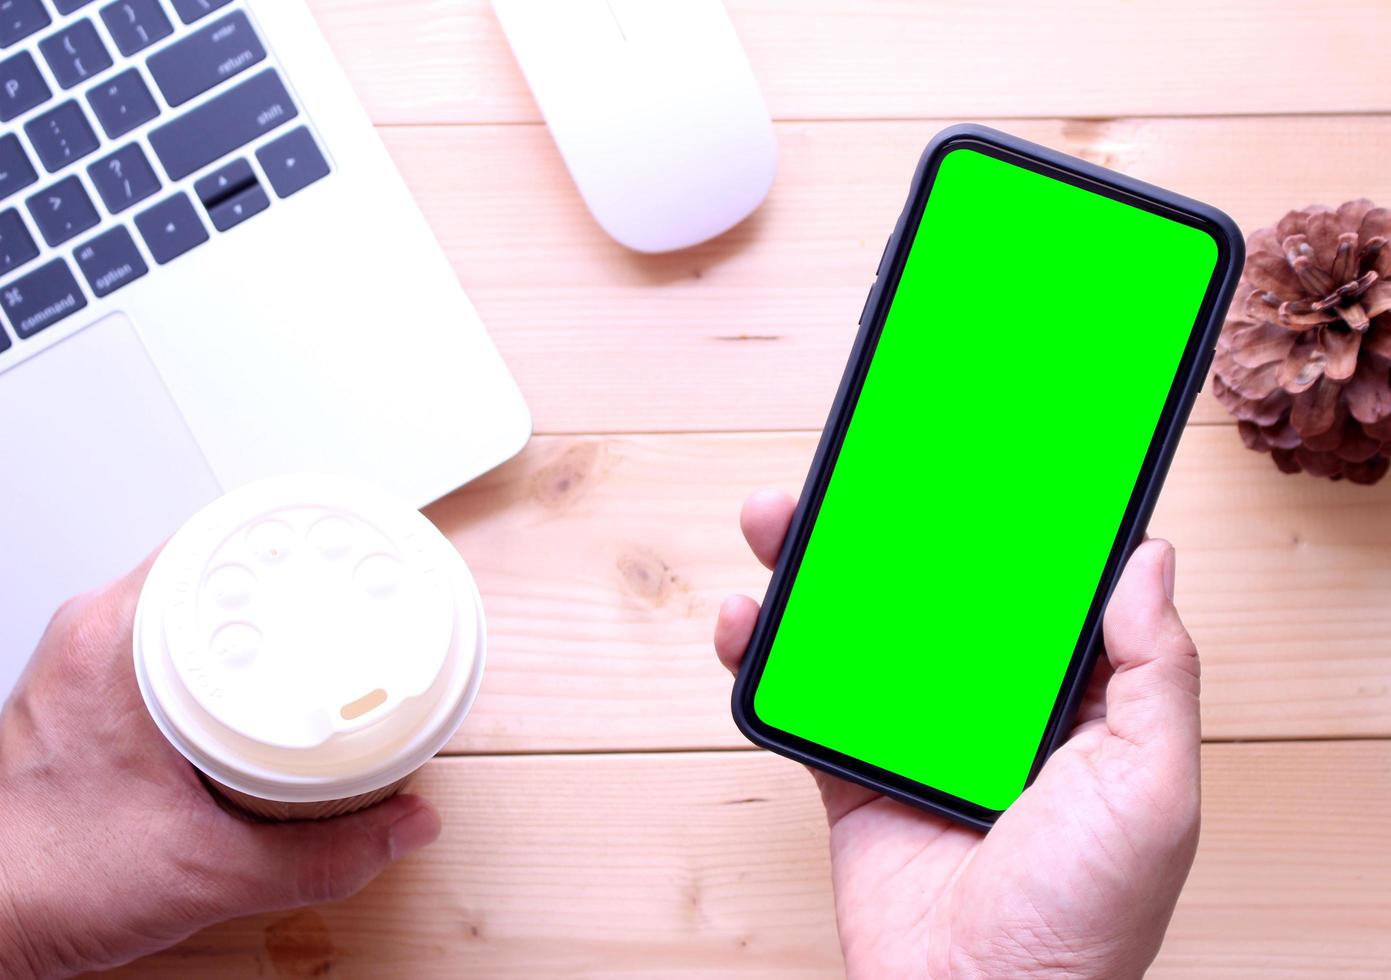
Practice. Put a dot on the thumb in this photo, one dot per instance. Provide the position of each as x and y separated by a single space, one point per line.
288 865
1153 697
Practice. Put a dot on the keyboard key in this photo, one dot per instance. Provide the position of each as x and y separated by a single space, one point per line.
75 53
61 135
171 228
136 24
4 342
292 162
124 178
191 10
20 18
236 209
122 103
16 172
224 182
21 86
222 124
63 210
205 58
110 261
40 299
68 6
16 244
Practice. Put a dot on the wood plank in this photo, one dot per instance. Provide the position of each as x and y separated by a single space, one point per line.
603 561
752 331
1282 581
1293 877
713 865
446 60
602 564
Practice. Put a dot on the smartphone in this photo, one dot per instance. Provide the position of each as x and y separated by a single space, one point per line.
1027 357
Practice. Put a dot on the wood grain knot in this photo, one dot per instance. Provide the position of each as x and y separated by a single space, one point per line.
300 945
648 577
560 482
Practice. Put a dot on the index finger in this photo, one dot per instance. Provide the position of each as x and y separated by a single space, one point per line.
764 521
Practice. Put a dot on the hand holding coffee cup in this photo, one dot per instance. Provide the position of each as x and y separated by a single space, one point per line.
112 847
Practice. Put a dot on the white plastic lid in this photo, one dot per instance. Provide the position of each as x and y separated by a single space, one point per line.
309 638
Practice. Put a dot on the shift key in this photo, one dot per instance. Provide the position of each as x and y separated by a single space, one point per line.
222 124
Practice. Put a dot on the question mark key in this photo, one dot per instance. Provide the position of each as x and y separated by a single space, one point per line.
124 178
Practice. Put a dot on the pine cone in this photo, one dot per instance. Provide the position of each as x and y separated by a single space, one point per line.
1304 355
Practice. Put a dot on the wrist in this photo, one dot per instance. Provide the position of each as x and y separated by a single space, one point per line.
20 955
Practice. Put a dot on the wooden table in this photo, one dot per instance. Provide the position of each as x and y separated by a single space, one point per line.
603 817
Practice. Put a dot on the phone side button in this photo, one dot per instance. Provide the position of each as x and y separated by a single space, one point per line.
883 257
868 299
1207 366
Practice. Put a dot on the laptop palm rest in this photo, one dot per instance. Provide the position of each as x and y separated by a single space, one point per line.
97 468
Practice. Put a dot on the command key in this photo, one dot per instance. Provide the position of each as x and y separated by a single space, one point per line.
42 298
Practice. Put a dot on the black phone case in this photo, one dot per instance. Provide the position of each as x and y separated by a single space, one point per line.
1188 382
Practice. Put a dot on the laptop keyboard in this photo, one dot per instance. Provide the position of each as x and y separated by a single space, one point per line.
135 131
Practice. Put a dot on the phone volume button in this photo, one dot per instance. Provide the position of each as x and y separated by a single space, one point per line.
868 299
1207 366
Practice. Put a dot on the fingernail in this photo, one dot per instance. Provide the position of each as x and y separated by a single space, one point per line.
413 831
1169 560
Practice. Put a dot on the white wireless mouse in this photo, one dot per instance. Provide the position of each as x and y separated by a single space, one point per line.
655 110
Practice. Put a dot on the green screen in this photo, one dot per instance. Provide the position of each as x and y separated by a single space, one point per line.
1016 387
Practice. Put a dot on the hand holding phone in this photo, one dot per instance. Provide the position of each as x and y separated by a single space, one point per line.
1028 356
1080 876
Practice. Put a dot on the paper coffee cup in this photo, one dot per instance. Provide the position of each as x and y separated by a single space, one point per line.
308 643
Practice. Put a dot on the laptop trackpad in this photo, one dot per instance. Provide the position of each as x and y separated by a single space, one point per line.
97 468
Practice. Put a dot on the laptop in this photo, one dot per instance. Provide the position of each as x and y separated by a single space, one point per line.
210 272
